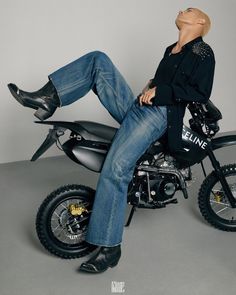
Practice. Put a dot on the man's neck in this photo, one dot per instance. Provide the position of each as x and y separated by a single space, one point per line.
185 37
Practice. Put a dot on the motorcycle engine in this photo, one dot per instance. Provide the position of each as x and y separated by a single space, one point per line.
157 180
162 186
162 189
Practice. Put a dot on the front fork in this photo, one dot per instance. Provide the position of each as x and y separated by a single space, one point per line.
221 177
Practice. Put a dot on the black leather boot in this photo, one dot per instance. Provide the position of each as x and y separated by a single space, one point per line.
45 100
104 258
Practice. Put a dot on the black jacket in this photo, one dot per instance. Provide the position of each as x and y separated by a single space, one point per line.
192 81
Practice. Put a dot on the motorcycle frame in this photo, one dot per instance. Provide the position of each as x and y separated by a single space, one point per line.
215 143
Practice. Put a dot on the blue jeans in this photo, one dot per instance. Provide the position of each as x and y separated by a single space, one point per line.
139 127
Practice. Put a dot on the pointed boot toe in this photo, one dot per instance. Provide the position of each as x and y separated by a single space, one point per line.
15 91
87 267
106 257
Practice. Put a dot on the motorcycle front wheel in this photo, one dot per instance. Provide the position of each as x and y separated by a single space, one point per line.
213 203
62 220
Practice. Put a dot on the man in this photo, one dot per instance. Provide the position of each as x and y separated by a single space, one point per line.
184 74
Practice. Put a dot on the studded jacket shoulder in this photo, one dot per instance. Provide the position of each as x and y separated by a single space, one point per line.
202 49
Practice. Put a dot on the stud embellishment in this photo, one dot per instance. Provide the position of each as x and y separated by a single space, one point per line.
202 49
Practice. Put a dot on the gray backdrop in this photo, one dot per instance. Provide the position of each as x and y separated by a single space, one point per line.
38 37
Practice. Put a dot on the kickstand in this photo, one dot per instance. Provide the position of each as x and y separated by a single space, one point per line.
131 215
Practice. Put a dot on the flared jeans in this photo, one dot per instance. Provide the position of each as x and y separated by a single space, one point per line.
139 127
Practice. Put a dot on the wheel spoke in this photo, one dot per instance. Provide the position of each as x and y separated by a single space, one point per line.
56 214
63 206
222 210
220 203
55 228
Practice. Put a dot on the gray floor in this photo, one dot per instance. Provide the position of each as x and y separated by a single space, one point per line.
167 251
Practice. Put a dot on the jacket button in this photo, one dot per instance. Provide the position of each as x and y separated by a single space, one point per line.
169 111
169 126
175 66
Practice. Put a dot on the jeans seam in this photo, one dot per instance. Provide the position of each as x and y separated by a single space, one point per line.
78 82
65 90
107 83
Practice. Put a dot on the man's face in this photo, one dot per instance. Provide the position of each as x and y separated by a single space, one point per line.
188 16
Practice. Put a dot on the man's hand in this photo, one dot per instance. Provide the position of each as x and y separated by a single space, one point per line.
147 96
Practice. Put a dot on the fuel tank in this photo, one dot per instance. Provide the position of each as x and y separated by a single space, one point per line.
194 148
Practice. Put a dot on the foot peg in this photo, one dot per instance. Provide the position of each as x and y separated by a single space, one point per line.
173 201
157 204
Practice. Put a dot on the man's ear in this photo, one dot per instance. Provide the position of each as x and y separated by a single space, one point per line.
201 21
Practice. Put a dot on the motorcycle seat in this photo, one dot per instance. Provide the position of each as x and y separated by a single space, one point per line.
108 132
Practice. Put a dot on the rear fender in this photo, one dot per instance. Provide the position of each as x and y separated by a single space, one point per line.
74 127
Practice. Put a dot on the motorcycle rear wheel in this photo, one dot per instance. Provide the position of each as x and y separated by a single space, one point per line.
213 204
62 220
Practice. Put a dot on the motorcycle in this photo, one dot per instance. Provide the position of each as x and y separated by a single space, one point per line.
63 217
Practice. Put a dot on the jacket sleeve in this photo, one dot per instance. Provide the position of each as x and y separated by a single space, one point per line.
197 89
153 80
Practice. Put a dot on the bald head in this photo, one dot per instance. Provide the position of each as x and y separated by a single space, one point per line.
206 22
193 19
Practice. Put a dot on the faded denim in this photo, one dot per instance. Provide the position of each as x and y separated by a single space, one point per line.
139 127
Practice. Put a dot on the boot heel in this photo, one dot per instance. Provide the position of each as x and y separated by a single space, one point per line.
42 114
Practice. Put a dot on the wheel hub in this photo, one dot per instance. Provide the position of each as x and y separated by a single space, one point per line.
76 210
